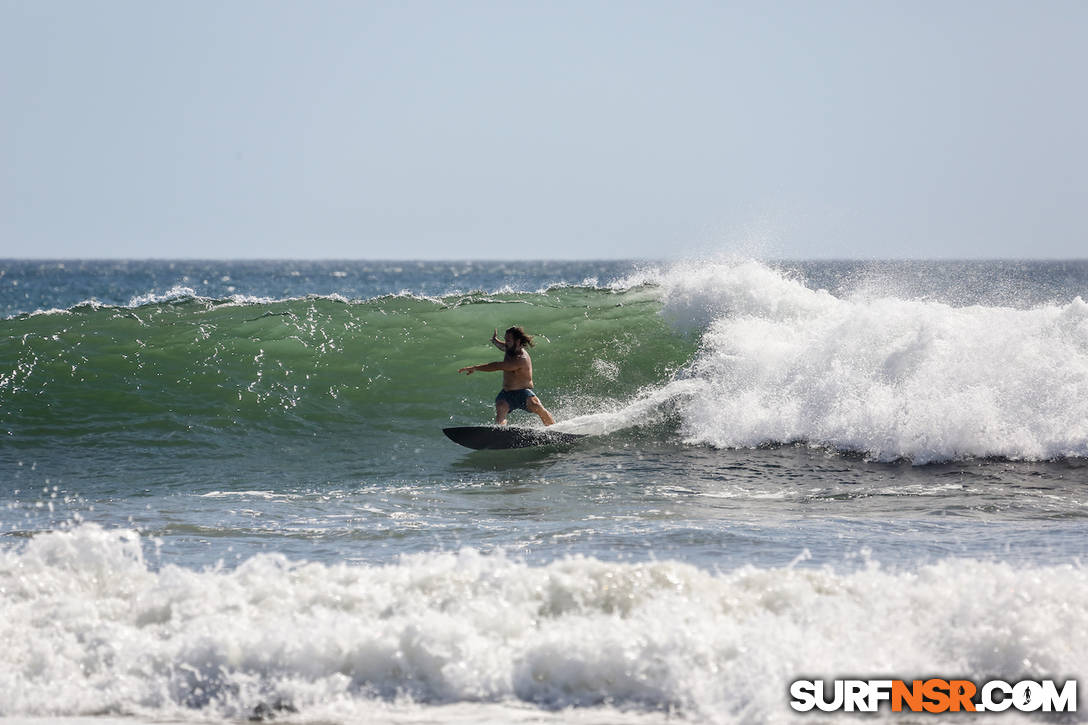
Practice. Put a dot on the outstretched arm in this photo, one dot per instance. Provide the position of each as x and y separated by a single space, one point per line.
492 367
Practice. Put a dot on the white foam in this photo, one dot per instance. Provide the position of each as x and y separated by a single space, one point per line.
648 407
894 378
183 293
267 495
89 628
176 293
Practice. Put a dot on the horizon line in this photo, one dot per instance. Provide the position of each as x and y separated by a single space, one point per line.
588 260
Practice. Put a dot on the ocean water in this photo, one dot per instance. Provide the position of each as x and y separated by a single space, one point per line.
225 493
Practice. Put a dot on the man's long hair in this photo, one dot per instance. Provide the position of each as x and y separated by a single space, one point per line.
520 335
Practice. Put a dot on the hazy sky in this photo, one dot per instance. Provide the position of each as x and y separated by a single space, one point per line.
261 128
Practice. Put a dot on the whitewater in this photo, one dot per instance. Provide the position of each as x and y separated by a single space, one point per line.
891 378
224 491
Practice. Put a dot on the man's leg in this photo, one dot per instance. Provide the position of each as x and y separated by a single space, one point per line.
533 406
502 409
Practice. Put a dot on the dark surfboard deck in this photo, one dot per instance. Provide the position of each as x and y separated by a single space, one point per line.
493 437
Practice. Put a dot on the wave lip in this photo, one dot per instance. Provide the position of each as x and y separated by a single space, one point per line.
180 294
92 629
892 378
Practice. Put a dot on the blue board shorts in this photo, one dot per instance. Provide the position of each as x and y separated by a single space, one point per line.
515 398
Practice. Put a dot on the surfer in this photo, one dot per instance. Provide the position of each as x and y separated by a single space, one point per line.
517 376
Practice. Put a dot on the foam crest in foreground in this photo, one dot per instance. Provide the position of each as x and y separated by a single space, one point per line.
90 629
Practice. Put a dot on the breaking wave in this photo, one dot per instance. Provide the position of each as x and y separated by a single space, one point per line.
91 628
736 354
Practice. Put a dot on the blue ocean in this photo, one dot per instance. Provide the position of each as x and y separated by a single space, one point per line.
225 493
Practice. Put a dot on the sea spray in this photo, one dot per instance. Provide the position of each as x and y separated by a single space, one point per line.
892 378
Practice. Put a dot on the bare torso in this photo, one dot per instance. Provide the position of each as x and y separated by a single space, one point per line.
517 374
522 376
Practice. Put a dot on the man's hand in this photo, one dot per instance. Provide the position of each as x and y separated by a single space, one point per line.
469 370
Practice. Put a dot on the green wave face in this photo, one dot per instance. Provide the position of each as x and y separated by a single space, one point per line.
196 372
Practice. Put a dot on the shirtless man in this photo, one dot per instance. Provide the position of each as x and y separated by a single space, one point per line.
517 376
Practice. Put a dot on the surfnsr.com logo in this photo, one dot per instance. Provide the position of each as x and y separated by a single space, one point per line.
933 695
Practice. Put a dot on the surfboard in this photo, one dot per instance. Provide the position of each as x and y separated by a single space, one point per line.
492 437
